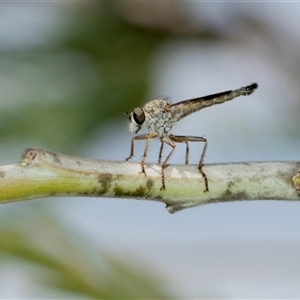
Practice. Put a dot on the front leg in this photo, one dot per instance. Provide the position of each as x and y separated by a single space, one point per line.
149 137
146 137
138 137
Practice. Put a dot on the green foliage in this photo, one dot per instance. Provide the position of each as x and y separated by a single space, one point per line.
97 71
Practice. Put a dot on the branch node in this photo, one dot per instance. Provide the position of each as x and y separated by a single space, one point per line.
28 156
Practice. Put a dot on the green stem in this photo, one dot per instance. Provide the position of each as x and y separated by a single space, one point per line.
43 173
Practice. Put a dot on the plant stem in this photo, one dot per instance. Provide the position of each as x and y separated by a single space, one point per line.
43 173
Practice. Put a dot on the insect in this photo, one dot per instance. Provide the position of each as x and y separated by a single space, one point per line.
158 116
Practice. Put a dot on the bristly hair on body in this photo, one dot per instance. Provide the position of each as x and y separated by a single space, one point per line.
158 116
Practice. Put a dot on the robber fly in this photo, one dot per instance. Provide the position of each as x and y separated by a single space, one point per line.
158 116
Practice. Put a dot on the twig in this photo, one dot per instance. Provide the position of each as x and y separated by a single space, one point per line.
43 173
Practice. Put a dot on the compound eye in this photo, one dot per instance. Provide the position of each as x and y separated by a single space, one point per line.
138 116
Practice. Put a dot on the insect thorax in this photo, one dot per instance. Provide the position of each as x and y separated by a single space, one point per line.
159 116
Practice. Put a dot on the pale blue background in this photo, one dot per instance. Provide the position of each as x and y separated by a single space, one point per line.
230 250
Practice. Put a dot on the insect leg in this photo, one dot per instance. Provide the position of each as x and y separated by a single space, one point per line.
160 152
186 139
187 153
167 140
138 137
146 137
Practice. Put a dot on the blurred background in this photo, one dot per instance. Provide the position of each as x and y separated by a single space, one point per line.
67 73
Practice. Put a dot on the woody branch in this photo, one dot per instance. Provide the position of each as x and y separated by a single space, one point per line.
43 173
